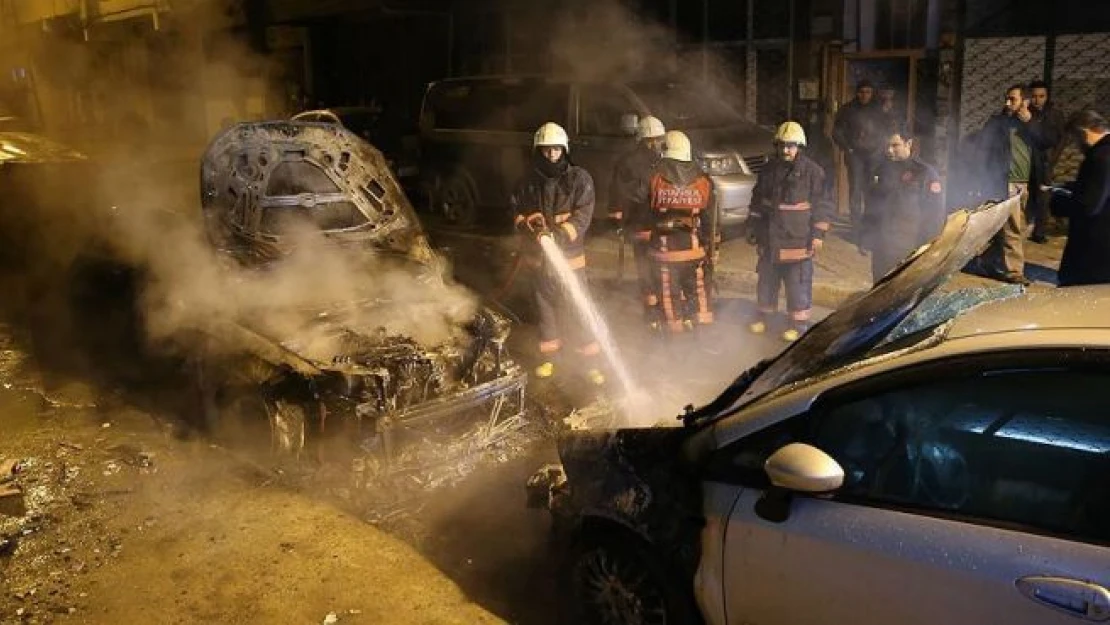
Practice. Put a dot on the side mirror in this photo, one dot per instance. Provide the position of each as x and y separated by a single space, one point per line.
803 468
630 123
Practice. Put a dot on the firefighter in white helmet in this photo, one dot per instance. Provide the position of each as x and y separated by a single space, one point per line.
681 201
556 199
790 212
631 171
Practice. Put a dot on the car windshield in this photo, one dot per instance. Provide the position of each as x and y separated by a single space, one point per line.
872 319
685 105
939 308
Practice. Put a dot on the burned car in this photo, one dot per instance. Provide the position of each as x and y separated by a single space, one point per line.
347 326
922 455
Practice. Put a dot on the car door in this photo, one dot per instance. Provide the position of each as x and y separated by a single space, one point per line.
600 136
975 492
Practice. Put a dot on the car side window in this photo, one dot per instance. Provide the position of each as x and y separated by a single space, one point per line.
1029 447
601 109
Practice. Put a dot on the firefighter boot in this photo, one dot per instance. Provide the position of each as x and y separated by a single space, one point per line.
545 370
758 324
595 376
796 330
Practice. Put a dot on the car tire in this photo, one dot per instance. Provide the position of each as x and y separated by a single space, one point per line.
614 579
455 202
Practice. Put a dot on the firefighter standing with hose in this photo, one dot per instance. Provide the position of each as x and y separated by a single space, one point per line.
629 173
788 222
556 199
681 203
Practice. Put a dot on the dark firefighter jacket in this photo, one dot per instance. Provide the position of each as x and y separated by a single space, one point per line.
993 155
905 207
1086 257
631 169
790 207
564 195
859 127
680 197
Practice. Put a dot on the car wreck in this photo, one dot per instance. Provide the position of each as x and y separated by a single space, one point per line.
902 456
339 371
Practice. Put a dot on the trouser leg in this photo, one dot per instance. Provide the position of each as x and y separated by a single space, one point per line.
583 339
859 167
799 292
700 298
670 296
767 284
645 281
1007 250
546 292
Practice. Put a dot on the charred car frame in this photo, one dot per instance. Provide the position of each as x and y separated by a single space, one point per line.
336 370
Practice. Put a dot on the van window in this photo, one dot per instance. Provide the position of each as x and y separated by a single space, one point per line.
516 106
601 109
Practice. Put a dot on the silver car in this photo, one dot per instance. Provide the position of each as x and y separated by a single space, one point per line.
918 457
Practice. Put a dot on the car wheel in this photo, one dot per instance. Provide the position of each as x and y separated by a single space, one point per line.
616 581
455 201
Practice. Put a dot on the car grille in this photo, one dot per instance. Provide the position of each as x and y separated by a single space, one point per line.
756 163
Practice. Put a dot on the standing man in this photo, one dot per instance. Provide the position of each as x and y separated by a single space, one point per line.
1051 123
857 131
556 199
905 208
1009 153
1086 204
788 223
631 171
681 201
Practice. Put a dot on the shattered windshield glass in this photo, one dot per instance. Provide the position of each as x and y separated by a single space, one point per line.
941 307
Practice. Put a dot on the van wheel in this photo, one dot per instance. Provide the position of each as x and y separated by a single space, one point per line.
455 201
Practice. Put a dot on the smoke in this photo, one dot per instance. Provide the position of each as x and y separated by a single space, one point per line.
143 108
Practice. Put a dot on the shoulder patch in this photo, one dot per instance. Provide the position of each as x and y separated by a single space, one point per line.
934 186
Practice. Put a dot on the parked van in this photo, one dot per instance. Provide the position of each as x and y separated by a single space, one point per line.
476 138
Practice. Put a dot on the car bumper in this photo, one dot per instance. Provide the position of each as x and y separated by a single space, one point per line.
734 196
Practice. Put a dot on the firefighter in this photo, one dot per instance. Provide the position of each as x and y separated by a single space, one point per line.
905 206
788 222
556 199
680 199
629 173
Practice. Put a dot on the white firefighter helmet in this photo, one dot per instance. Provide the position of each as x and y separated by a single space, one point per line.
649 128
551 134
677 146
790 132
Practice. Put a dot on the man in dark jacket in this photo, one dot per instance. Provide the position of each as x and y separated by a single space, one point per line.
789 219
905 208
1086 204
681 200
632 171
857 131
1050 126
1010 160
556 199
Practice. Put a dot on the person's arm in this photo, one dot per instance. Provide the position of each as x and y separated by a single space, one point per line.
840 129
932 207
582 212
821 207
759 209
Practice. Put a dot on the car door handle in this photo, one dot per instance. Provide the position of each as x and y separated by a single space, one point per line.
1072 596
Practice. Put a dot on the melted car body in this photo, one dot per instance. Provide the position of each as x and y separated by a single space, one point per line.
357 359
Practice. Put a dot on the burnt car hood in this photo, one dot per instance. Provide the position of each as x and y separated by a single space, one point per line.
257 178
862 323
393 303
